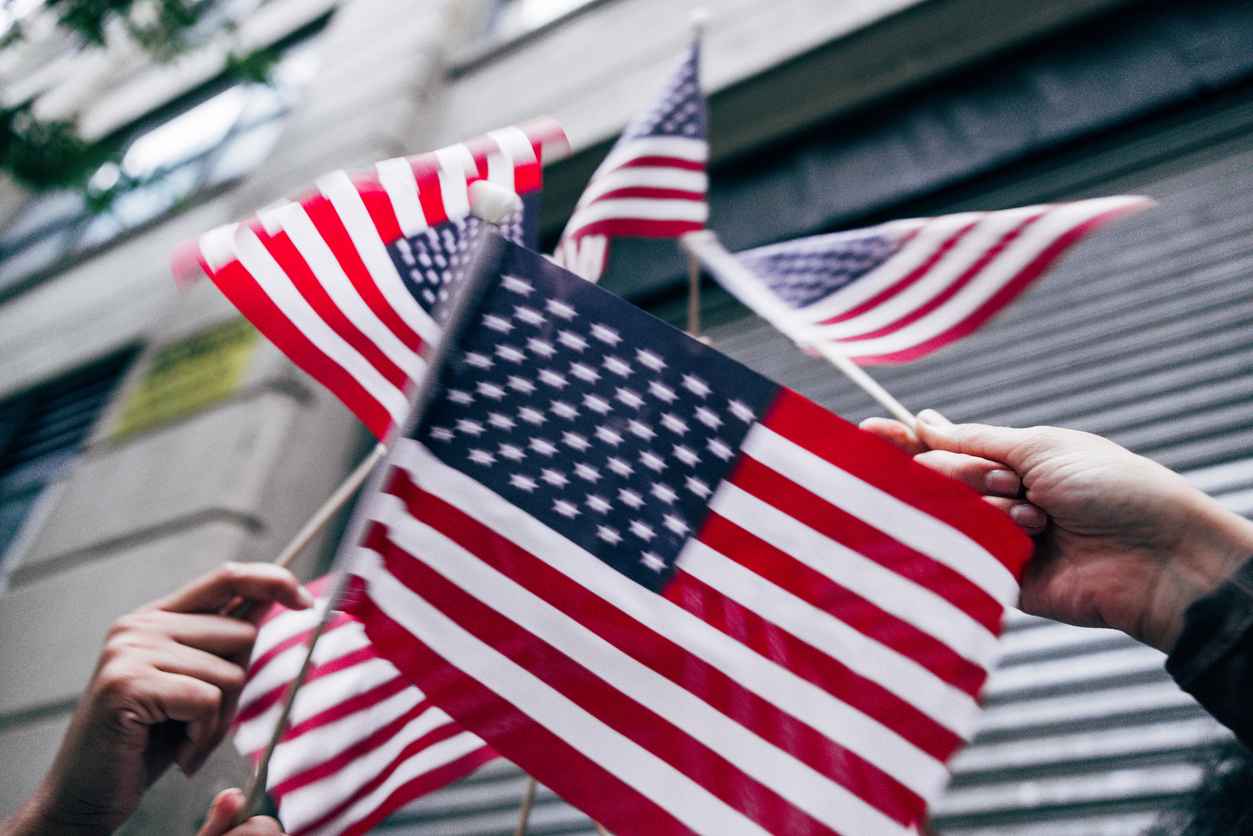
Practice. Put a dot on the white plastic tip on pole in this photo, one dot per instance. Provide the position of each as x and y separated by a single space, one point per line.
699 20
493 203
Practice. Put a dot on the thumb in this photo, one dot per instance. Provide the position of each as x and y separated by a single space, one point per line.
222 812
1002 444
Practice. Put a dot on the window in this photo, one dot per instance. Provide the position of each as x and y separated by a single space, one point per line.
511 20
41 431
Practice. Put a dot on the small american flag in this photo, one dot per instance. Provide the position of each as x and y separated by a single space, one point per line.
680 595
362 741
652 184
899 291
345 280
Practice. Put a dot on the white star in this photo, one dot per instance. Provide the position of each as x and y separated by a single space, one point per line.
571 340
541 347
525 483
501 422
576 441
584 372
698 487
528 315
597 404
652 561
641 430
642 531
479 361
618 366
686 455
521 384
740 410
554 477
491 390
586 472
566 509
482 457
531 416
695 385
564 410
649 359
606 334
664 492
497 323
441 433
560 309
512 452
516 285
708 417
610 437
544 447
630 398
510 353
662 392
619 467
470 427
720 449
609 535
673 423
553 379
458 396
631 498
598 504
652 461
675 524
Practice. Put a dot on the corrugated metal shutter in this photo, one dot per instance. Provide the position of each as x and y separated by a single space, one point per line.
1143 334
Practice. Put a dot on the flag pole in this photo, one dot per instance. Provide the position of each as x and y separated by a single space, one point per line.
492 204
524 812
698 20
733 275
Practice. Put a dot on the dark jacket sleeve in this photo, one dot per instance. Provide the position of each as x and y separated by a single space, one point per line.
1213 659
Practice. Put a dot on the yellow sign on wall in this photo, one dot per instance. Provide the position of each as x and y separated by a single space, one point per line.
188 375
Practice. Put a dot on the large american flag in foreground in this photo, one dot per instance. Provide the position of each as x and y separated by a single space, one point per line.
680 595
345 280
362 741
899 291
653 182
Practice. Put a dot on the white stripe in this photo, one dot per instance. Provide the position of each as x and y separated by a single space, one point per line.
217 246
897 519
656 780
328 691
772 682
456 166
897 673
639 208
285 625
330 274
583 256
343 195
514 149
683 148
886 589
795 781
278 287
652 177
1003 268
396 178
430 758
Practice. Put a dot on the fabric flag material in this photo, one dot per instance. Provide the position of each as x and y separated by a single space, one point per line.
362 741
684 597
345 280
653 182
899 291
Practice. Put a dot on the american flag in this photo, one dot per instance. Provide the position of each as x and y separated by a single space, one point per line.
680 595
362 741
345 280
901 290
652 184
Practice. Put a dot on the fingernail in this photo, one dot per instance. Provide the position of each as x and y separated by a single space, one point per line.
933 418
1027 516
306 597
1002 481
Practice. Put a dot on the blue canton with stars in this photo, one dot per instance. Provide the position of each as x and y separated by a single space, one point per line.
602 422
804 271
680 111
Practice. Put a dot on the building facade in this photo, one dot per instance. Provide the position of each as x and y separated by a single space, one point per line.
145 435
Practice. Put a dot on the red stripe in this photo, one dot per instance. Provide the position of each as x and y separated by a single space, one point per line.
661 161
611 706
650 192
333 232
418 787
967 276
257 665
297 270
430 194
831 521
781 569
1003 296
546 757
878 463
638 228
237 285
261 703
351 705
673 662
908 279
379 205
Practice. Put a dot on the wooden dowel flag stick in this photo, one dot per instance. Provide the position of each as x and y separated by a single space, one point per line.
524 812
740 282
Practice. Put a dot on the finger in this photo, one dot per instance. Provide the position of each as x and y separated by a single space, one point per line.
193 662
216 634
250 581
1002 444
222 812
258 826
1029 517
895 433
985 476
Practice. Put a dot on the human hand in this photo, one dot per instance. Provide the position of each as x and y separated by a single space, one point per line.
164 691
1121 541
221 820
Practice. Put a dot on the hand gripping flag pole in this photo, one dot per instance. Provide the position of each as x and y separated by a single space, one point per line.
705 247
492 204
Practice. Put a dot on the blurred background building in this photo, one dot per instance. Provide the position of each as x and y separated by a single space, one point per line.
147 434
